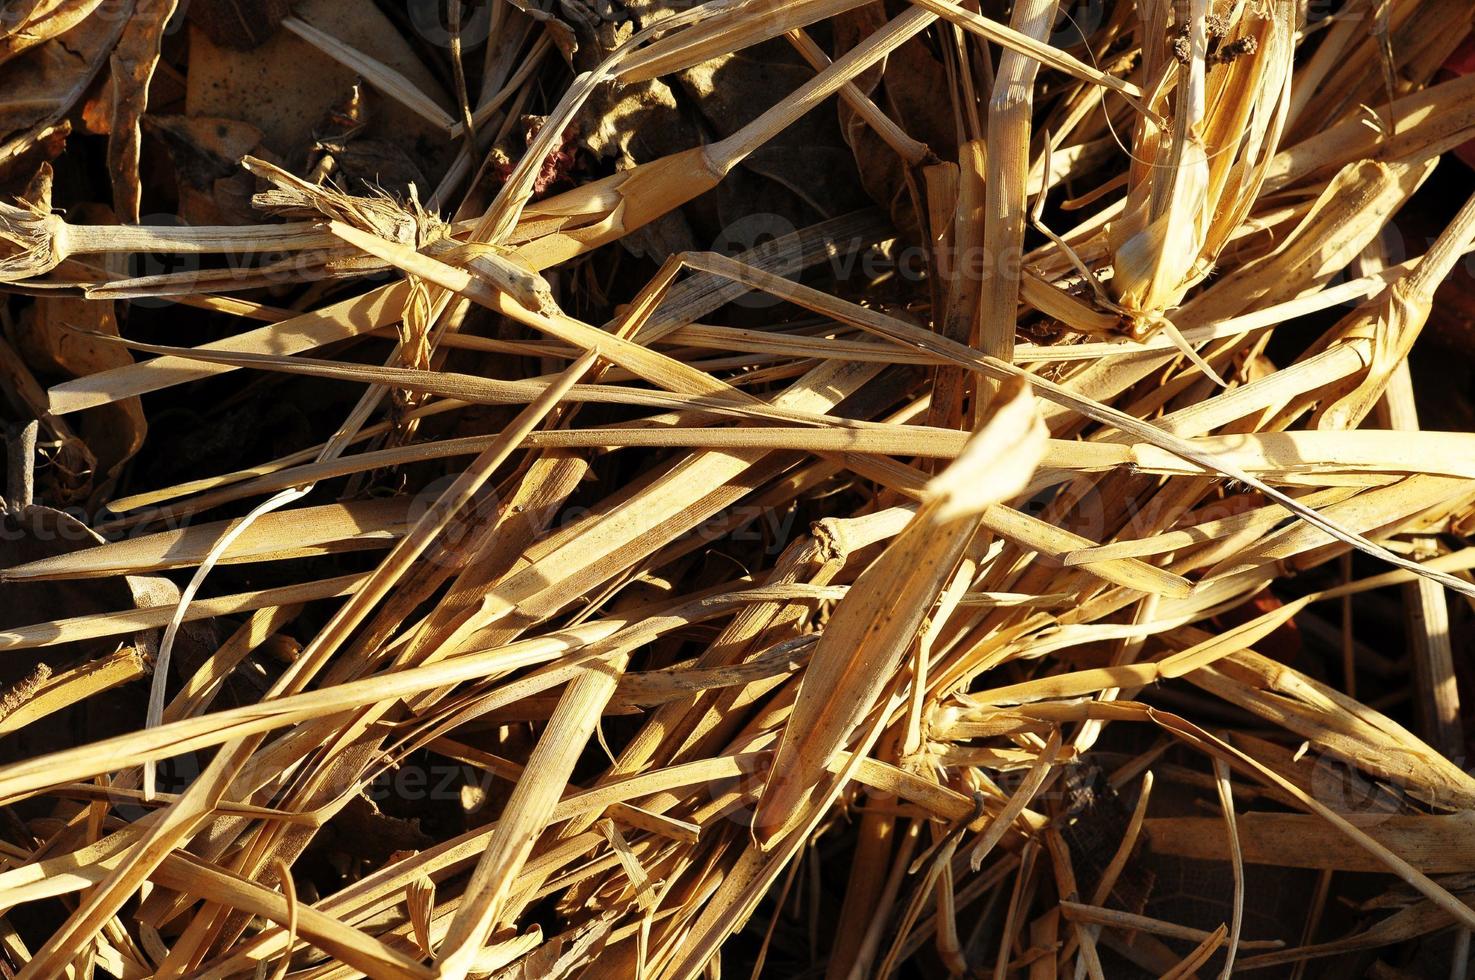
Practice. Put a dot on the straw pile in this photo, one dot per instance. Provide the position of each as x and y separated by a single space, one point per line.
804 489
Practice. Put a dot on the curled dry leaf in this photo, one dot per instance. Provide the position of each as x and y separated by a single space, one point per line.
39 88
206 151
131 69
242 24
286 87
906 88
53 335
28 23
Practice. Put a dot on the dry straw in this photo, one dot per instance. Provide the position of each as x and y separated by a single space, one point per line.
1061 503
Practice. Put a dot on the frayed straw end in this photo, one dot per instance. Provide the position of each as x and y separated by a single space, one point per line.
379 214
34 240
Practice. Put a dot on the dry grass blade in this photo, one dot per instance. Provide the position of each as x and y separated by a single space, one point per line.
908 335
1009 119
859 650
381 76
1226 799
